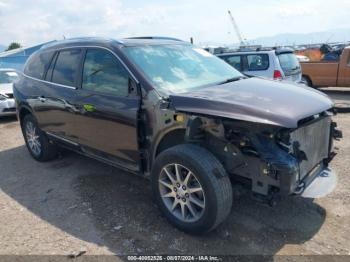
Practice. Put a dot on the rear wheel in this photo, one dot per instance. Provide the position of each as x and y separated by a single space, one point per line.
191 188
36 140
306 81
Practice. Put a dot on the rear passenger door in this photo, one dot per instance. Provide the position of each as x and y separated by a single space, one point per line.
109 105
55 106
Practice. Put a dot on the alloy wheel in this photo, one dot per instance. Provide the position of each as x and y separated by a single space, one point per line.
182 193
33 138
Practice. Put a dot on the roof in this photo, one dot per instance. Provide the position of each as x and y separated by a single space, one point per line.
155 38
151 41
100 41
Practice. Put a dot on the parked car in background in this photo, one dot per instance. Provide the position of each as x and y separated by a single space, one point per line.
328 73
172 112
280 63
7 102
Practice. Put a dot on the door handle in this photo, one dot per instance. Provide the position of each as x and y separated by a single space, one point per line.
42 99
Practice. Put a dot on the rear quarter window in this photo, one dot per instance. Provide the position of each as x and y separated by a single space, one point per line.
258 62
38 64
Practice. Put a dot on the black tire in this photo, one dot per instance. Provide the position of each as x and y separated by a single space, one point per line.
212 177
306 80
48 149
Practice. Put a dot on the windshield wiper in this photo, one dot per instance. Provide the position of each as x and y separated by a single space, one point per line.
233 79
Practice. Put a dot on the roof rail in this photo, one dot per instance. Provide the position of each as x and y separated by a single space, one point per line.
77 39
257 48
155 37
242 49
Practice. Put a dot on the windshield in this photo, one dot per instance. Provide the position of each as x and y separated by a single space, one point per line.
180 68
289 62
7 77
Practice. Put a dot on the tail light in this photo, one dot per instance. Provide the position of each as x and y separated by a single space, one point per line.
277 74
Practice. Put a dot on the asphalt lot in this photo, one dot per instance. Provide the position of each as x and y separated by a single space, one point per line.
75 204
341 97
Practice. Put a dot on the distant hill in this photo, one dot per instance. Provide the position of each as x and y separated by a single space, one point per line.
336 35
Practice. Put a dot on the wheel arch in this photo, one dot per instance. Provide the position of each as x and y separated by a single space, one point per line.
307 77
24 110
172 137
175 135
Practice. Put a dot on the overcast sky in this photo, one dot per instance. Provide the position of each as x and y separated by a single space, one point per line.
33 21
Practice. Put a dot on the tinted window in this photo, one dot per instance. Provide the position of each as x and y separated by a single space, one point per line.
48 76
234 61
104 73
66 67
258 62
38 64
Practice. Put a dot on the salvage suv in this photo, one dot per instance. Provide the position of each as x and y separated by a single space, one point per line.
174 113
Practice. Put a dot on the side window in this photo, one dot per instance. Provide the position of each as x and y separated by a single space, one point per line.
48 76
38 64
235 61
258 62
104 73
67 67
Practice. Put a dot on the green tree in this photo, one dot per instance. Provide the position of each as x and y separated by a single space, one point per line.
13 45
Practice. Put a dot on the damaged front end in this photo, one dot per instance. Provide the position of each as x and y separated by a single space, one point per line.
274 160
277 136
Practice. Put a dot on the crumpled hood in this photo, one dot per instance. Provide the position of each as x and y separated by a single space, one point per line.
255 100
6 88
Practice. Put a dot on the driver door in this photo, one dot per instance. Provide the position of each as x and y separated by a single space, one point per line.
106 125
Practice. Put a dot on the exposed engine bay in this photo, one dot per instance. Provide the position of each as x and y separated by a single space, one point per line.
270 159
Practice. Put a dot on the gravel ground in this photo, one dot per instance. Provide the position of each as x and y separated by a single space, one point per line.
76 204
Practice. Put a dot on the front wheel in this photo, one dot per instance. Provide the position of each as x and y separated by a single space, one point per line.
191 188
